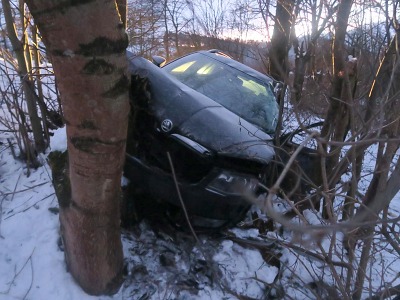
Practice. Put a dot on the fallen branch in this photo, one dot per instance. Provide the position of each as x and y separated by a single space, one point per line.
297 249
30 286
17 274
1 215
214 269
24 190
386 293
29 207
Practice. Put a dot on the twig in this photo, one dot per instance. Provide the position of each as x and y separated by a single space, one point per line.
318 230
30 286
17 274
297 249
202 250
1 215
11 148
15 187
390 240
24 190
24 210
181 200
386 293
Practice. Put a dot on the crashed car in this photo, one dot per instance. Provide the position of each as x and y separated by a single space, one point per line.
201 133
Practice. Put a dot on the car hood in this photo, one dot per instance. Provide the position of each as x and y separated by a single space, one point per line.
219 129
179 109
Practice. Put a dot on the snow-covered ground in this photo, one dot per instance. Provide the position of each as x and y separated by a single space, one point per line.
163 262
160 264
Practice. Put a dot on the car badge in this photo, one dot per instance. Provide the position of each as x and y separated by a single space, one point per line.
166 125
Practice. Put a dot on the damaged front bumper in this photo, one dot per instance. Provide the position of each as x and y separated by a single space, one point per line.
220 195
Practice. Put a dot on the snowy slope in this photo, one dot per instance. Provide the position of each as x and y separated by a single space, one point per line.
161 261
32 265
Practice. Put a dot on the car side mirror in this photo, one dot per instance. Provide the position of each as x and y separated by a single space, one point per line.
278 86
158 60
294 137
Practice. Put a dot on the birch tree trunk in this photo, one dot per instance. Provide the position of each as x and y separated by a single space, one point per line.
87 42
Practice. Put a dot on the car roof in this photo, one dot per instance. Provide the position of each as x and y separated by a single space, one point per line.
226 59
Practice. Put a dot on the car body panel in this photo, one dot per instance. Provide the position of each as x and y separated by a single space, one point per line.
161 185
180 137
199 118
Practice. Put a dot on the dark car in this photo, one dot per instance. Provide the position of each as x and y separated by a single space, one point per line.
203 123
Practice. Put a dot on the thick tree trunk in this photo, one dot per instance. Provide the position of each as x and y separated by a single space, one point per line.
87 42
280 42
338 115
340 85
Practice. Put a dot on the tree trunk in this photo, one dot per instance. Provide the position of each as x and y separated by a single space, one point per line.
27 83
340 76
385 183
386 118
341 99
87 42
280 42
278 54
166 34
38 79
305 53
300 61
122 10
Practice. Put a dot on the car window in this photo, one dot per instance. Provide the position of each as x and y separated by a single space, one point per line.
253 86
246 96
182 68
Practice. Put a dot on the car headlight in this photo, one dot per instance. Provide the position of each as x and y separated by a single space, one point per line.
232 183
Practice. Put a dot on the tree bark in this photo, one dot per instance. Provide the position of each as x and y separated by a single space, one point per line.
385 182
305 52
87 42
280 42
122 10
338 116
166 34
340 85
38 79
27 84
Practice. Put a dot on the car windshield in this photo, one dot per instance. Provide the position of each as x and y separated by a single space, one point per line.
246 96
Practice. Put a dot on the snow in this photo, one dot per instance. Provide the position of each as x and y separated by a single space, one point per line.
162 262
32 264
58 142
351 58
237 266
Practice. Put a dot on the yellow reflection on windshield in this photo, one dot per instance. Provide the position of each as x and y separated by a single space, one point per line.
255 87
207 69
183 68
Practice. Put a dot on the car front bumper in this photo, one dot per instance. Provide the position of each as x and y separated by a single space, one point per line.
198 198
